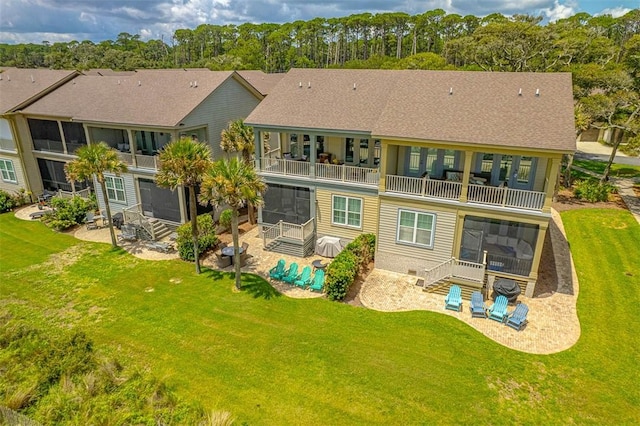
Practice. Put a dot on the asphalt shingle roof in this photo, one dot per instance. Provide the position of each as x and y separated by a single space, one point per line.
522 110
19 85
146 97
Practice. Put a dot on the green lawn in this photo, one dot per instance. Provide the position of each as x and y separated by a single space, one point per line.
617 170
270 359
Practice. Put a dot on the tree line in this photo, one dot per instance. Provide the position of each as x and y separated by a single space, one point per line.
602 53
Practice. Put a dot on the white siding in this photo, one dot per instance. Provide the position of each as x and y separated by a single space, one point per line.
11 187
229 102
403 258
130 194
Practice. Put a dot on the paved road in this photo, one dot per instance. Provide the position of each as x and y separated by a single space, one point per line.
630 161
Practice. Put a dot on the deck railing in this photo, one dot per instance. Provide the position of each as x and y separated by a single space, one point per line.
84 193
483 194
456 268
509 264
126 157
284 167
147 161
506 197
291 231
364 175
134 216
423 187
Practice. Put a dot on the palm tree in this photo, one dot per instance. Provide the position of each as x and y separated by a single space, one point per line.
184 163
96 160
239 137
233 183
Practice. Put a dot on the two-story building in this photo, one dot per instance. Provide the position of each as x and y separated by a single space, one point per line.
453 171
136 113
18 89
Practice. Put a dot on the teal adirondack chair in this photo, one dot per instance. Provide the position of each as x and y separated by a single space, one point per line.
318 281
518 318
477 307
291 274
498 311
304 279
278 271
453 301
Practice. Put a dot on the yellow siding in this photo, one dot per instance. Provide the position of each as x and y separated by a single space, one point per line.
541 168
405 258
323 215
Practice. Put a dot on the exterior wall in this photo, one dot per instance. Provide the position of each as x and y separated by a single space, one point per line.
541 177
31 173
403 258
370 205
20 183
229 102
130 194
335 146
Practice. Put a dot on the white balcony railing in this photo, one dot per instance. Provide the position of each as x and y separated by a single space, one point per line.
284 167
423 187
147 161
506 197
364 175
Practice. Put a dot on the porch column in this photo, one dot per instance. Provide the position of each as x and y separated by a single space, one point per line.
457 237
312 154
132 148
62 137
535 262
468 156
384 151
552 178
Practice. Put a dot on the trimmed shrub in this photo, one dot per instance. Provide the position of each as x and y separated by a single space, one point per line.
207 238
225 218
343 270
10 201
66 212
592 190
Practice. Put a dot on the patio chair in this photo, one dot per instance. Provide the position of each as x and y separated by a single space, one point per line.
245 246
90 221
498 311
318 281
304 279
477 306
518 318
453 301
291 274
223 261
128 233
277 272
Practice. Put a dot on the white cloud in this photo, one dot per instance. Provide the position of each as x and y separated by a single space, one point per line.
616 12
559 11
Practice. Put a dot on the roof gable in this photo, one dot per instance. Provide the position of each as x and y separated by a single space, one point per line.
19 86
147 97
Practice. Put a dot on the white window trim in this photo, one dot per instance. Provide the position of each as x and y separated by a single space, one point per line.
115 190
415 224
5 170
346 218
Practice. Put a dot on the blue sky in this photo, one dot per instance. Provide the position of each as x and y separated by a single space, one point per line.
23 21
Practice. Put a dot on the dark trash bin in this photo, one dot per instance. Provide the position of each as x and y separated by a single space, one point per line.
118 220
507 288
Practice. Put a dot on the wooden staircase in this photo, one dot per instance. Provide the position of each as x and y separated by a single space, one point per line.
292 247
442 287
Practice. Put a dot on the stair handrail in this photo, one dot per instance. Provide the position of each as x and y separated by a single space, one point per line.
439 272
271 233
136 217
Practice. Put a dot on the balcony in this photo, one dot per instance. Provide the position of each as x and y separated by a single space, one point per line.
480 194
48 145
321 171
141 161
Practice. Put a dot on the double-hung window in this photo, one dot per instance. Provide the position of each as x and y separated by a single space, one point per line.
416 228
8 172
115 189
347 211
